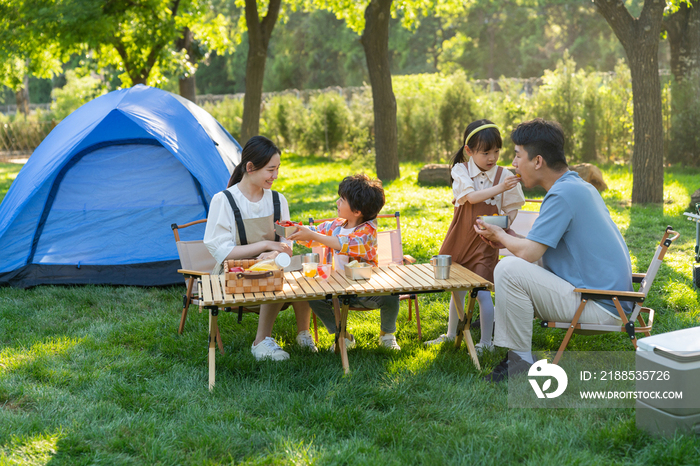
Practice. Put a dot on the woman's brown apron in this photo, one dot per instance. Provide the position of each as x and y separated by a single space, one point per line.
252 230
464 244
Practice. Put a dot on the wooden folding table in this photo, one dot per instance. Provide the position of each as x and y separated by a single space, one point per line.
389 280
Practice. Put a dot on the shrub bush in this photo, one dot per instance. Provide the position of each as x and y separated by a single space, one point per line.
286 118
79 89
684 141
418 100
328 124
229 112
455 112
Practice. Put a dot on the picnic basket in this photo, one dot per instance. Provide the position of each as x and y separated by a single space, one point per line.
251 282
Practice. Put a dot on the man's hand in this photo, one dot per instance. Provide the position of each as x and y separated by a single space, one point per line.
489 233
495 244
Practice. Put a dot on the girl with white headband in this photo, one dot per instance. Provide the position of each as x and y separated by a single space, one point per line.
480 187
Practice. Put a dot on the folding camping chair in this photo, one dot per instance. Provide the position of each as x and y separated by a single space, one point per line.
195 261
637 297
389 252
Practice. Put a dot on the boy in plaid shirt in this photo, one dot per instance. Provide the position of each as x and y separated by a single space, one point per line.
353 236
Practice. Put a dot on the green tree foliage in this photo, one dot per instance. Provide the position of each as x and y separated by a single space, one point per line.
81 87
134 36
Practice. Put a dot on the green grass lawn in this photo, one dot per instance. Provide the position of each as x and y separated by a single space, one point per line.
99 375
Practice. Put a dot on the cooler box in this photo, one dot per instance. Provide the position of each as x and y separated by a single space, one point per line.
676 355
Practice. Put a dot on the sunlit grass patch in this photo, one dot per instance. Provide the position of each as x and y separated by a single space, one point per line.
36 449
42 352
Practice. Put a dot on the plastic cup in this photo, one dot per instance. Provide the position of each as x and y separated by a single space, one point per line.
310 269
324 271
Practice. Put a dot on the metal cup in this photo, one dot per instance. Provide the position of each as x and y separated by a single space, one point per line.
311 257
441 266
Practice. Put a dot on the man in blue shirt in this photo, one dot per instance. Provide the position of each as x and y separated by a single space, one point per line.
579 244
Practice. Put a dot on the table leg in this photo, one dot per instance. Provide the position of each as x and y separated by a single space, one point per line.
213 330
464 326
341 322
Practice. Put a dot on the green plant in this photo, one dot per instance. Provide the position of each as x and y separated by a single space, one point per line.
285 117
81 87
615 122
455 112
229 112
328 123
684 140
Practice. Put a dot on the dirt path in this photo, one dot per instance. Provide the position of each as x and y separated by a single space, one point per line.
14 157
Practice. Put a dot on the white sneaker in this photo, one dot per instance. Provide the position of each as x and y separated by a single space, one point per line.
269 349
349 343
439 340
305 340
482 347
389 341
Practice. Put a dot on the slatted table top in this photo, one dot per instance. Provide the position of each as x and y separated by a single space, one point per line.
384 280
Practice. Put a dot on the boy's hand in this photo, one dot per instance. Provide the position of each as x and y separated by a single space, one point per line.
510 182
303 233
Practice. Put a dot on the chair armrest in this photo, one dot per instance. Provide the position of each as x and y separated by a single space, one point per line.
408 259
638 277
612 294
192 272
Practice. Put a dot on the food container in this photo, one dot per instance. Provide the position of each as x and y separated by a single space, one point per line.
441 266
361 271
324 271
283 260
285 232
251 282
310 257
310 269
502 221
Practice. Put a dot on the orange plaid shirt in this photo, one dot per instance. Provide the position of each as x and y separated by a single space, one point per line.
361 244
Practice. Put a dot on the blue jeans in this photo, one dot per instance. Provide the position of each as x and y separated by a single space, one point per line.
388 310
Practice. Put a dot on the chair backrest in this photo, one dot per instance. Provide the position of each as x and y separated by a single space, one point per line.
522 224
194 255
661 249
389 246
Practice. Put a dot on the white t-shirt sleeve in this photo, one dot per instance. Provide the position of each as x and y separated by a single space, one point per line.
220 231
462 183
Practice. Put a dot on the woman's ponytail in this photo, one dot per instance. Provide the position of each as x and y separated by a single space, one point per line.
237 175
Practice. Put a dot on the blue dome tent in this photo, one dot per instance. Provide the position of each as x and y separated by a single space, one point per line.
95 201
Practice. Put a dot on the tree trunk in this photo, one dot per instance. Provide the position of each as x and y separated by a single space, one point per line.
259 33
683 29
22 96
187 82
375 41
640 39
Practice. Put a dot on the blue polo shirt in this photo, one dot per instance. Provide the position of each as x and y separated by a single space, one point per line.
585 247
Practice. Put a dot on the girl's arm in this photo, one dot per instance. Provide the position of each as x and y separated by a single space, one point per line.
475 197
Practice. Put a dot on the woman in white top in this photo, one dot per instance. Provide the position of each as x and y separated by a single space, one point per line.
240 225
